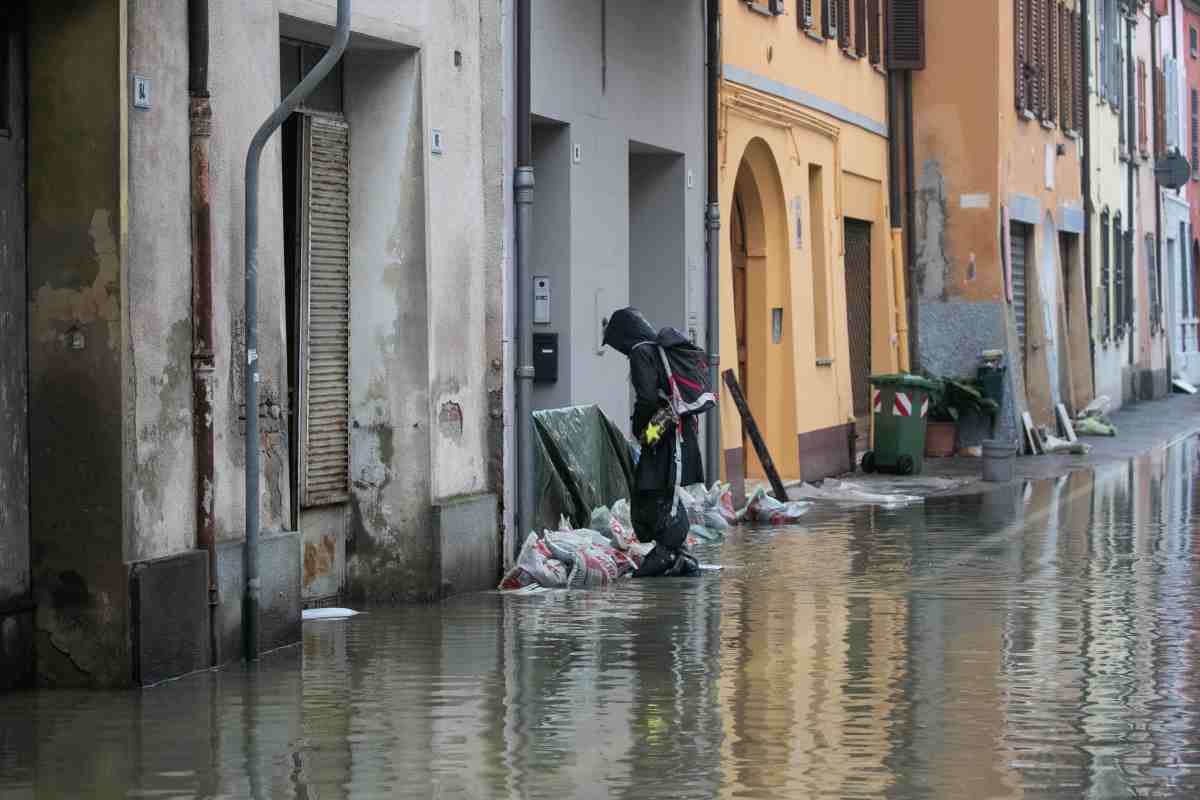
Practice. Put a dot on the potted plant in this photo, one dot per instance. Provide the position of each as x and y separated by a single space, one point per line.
948 403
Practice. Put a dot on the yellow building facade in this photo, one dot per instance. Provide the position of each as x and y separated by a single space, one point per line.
809 284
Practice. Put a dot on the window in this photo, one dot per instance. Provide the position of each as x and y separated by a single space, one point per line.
844 23
1118 278
860 27
874 32
770 8
1143 133
1152 274
830 18
1050 109
1105 250
806 19
1195 132
1194 42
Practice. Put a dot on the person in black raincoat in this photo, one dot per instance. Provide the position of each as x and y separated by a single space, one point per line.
629 333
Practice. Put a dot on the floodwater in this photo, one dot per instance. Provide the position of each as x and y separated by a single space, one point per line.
1037 642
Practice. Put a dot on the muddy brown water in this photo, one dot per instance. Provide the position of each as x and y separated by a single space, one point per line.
1039 641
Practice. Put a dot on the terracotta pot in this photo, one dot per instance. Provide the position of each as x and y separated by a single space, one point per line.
939 439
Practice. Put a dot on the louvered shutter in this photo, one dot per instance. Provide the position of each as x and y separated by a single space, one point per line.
844 24
1172 93
1129 273
1102 49
1037 45
1105 247
805 18
829 23
1114 56
906 34
1078 83
1021 54
875 40
1064 68
1143 133
1118 275
1051 110
1160 118
324 458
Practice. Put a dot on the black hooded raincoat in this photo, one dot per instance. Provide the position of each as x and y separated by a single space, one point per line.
629 333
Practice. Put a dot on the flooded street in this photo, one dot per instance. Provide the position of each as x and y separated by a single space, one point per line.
1038 641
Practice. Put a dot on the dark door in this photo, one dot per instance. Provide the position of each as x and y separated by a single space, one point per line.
858 316
14 352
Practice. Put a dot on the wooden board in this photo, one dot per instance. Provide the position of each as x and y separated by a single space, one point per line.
1032 441
1064 422
760 446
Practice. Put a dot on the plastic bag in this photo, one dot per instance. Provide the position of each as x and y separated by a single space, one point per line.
564 544
594 568
610 526
535 564
764 508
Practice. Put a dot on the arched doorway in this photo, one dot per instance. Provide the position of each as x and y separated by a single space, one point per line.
762 305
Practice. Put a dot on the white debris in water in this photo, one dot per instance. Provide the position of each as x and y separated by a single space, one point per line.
318 614
846 492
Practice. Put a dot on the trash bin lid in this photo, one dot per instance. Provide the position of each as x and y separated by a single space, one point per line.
903 379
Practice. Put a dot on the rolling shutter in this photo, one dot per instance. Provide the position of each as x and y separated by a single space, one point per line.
324 458
906 34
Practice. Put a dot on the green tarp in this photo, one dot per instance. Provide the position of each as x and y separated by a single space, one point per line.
582 461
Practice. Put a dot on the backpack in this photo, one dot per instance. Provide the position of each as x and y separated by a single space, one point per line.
687 373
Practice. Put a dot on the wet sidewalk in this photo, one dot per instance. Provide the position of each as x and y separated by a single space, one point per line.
1142 427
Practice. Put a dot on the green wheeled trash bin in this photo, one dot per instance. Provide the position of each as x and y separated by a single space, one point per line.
901 409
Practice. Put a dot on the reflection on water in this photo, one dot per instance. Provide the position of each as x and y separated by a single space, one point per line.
1033 642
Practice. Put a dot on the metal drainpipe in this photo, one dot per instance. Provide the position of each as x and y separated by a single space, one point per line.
340 39
1088 208
1159 148
203 358
522 299
712 221
914 338
1131 137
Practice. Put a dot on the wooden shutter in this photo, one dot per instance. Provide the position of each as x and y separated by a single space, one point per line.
1037 44
1020 54
1114 56
906 34
1102 49
860 27
324 458
805 18
1105 245
1051 111
844 24
1143 133
1194 128
1171 89
829 23
1063 56
874 35
1160 120
1118 275
1078 83
1129 273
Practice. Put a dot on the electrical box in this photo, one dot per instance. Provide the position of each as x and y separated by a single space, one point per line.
545 358
541 299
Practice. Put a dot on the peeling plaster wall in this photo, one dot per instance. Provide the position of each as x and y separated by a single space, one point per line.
391 549
76 340
160 516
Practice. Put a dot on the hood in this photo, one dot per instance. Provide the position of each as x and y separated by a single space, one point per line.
672 337
626 329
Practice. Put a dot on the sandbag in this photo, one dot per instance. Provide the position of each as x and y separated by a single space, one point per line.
764 508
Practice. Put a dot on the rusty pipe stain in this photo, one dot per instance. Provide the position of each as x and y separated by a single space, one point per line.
203 356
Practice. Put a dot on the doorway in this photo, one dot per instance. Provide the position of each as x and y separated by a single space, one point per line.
14 350
316 222
761 275
858 320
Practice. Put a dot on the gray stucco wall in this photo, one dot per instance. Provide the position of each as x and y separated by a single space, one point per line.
658 237
651 93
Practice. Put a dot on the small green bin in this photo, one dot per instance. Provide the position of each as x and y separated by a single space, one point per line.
901 409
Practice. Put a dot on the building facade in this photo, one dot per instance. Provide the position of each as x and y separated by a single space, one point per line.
808 283
379 355
998 217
